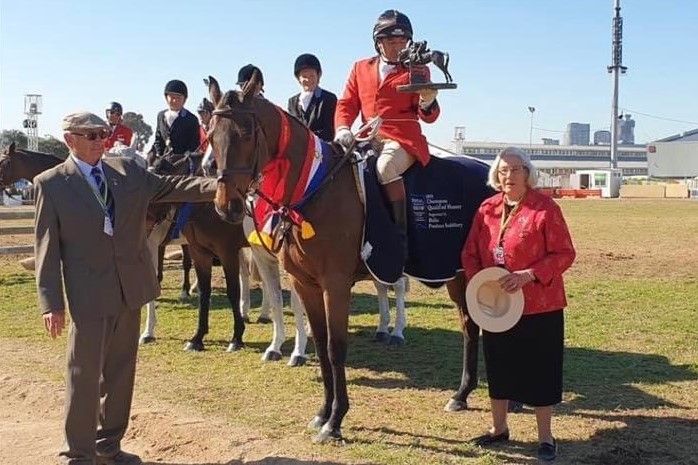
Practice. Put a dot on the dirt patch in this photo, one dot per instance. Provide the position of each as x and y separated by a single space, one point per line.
31 422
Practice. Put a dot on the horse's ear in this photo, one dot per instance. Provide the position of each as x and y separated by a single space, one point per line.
248 92
214 90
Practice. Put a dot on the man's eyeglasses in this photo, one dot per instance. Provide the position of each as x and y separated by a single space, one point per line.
92 135
510 170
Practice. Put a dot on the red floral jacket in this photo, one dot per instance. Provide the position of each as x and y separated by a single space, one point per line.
537 238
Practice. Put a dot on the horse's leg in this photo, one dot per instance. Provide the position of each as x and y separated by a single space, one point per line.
272 297
298 357
311 296
337 294
231 268
268 268
148 334
203 264
396 336
244 284
383 312
186 267
161 262
471 336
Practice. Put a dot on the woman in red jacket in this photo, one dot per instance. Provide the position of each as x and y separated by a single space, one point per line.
523 231
371 90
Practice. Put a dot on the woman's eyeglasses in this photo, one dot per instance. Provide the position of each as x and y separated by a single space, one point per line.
510 170
92 135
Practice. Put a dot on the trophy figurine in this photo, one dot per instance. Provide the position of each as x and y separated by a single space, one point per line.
414 57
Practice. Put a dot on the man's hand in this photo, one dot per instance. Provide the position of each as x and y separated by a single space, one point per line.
344 137
427 97
54 323
516 280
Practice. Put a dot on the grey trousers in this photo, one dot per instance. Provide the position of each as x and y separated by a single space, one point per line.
101 367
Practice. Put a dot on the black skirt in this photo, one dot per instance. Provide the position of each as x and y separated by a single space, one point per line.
525 363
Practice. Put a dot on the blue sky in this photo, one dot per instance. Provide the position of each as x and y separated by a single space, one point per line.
506 55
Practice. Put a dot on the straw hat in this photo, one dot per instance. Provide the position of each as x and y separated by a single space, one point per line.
490 306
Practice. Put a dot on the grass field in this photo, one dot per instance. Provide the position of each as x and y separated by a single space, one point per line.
631 361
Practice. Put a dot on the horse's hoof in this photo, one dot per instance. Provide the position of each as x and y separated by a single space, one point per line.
265 320
454 405
317 423
194 347
235 346
380 337
184 297
396 341
246 319
328 434
297 361
147 340
271 356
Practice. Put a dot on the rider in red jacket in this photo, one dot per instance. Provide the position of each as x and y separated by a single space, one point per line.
119 132
371 90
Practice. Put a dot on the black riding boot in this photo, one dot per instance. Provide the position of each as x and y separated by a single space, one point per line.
395 192
399 211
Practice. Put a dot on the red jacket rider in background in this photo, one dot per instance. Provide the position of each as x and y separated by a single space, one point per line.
371 90
119 132
205 111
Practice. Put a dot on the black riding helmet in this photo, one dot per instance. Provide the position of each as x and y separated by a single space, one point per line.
115 107
245 74
391 23
306 61
176 86
205 105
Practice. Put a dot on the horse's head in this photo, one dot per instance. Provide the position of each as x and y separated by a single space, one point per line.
239 146
7 176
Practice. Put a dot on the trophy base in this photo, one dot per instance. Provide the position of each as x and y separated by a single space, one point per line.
426 85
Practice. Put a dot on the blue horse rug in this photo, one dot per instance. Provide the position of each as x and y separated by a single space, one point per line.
442 199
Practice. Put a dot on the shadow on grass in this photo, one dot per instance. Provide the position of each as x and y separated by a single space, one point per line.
432 359
265 461
642 440
16 279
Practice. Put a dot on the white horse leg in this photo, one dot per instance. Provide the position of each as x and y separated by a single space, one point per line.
268 268
298 357
244 284
383 312
148 334
400 289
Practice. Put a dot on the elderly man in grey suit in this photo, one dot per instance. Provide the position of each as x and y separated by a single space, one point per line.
91 237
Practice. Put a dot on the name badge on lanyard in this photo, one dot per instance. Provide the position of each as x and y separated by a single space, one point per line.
498 250
498 255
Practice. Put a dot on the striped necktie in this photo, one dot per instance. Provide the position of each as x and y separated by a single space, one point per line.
104 192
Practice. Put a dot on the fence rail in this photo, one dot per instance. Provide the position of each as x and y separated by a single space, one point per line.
16 213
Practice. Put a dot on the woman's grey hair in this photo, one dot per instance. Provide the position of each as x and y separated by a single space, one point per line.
493 179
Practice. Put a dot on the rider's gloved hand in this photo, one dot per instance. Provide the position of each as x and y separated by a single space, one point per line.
427 97
344 137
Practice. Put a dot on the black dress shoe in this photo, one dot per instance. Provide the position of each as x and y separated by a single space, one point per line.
546 451
121 458
489 439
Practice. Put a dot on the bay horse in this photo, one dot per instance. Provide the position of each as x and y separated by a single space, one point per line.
249 132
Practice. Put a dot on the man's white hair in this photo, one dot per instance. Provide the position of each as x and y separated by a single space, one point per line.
493 179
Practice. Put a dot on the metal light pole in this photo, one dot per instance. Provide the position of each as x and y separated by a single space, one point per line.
616 69
530 132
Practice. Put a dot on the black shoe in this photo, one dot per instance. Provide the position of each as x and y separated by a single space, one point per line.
121 458
547 452
489 439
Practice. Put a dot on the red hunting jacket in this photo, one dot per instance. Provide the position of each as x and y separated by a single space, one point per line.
400 111
120 133
538 238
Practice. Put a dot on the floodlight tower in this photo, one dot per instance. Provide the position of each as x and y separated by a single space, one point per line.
32 108
459 139
616 69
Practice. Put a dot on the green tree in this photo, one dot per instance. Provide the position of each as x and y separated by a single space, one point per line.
140 128
50 144
9 136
